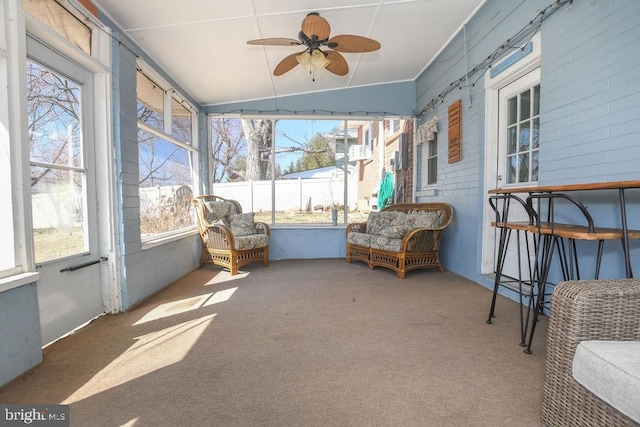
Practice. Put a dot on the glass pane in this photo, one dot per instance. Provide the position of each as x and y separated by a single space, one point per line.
512 140
180 121
54 117
433 148
523 172
433 171
525 136
534 165
512 111
536 100
525 105
511 169
58 213
535 134
165 185
150 102
311 155
61 21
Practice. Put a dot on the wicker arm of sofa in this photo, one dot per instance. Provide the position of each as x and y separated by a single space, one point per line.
586 310
355 252
358 227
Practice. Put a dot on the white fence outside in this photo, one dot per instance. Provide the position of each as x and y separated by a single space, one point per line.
255 196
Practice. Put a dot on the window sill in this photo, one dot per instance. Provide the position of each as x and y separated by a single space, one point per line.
304 225
152 242
18 280
427 192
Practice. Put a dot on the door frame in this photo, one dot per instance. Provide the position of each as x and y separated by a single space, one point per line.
108 214
492 86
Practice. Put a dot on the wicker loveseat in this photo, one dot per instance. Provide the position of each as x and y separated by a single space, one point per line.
592 354
401 237
230 238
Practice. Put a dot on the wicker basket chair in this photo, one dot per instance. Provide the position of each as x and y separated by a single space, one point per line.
586 310
219 244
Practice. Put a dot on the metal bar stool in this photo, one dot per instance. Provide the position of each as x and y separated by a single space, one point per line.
524 286
562 237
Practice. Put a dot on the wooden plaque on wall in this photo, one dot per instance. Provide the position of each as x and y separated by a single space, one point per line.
455 131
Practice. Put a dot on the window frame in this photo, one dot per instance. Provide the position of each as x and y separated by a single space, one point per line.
353 137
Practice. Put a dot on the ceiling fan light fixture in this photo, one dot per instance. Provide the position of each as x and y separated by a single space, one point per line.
304 59
318 59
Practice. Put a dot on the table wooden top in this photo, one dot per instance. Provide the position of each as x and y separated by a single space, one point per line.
614 185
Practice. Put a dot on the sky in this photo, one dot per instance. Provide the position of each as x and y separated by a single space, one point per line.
302 131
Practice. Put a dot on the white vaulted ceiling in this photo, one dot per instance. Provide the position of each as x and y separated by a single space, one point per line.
201 44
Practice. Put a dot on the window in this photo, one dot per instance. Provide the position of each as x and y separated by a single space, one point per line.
307 179
431 148
427 138
523 136
9 263
368 137
166 156
58 170
394 126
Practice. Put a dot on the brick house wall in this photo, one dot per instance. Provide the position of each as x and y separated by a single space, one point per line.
370 172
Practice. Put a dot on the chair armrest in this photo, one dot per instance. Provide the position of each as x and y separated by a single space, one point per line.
422 240
218 236
357 227
582 310
607 309
263 228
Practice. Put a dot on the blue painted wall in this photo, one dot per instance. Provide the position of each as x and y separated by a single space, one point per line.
590 119
306 242
143 272
21 347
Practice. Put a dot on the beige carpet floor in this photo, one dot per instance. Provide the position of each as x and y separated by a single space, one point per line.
300 343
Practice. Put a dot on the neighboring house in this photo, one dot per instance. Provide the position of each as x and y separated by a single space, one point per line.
384 146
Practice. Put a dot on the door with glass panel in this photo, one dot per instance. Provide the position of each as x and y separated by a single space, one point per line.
518 153
63 202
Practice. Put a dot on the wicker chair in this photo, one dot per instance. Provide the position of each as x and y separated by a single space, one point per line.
219 244
586 310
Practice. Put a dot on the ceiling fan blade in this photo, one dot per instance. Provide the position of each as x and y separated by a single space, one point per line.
338 64
275 42
352 44
314 24
287 64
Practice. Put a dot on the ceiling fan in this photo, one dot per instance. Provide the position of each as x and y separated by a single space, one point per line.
314 35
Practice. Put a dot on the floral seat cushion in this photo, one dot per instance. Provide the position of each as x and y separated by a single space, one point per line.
360 239
384 243
252 241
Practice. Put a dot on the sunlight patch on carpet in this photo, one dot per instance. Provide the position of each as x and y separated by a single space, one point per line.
151 352
184 305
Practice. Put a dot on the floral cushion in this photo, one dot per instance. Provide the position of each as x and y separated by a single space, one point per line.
386 243
390 224
360 239
243 224
252 241
219 211
428 219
